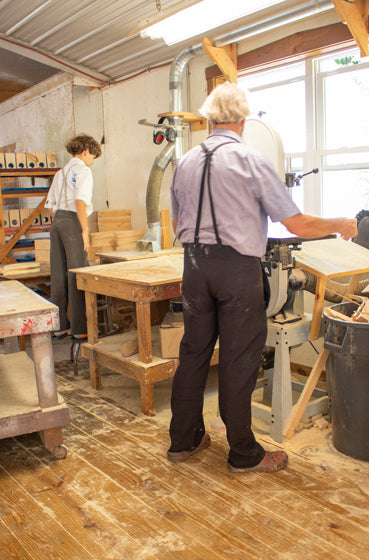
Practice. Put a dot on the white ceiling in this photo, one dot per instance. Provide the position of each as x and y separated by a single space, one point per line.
98 39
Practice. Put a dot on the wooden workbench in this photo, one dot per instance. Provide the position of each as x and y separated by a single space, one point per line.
142 282
29 401
327 259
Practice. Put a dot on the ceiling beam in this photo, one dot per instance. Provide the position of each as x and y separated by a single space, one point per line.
52 60
355 14
224 57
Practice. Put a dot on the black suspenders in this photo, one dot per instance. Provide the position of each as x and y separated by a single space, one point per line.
206 170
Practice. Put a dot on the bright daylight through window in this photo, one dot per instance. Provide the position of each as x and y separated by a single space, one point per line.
320 109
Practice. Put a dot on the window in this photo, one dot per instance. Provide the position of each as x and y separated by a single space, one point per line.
319 107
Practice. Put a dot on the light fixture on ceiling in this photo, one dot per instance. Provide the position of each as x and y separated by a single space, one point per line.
203 17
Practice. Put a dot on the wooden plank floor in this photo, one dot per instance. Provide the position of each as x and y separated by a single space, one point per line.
116 496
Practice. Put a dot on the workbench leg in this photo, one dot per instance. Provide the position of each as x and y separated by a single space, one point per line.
93 337
52 440
305 396
282 388
44 368
144 331
321 284
147 398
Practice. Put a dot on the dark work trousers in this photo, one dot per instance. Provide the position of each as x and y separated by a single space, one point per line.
66 252
223 296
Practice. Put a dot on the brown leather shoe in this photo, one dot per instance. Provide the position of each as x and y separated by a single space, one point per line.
271 462
176 457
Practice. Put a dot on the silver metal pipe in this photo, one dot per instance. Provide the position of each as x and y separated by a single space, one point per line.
287 16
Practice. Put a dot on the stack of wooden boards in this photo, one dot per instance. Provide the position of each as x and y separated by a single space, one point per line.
28 160
114 233
20 269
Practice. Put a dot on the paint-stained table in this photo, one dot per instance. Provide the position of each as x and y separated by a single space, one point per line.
29 401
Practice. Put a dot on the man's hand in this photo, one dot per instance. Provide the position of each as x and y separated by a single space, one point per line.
304 225
348 228
82 216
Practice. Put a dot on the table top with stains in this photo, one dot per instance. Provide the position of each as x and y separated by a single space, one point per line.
22 311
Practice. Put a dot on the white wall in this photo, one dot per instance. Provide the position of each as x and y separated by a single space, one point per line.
40 119
130 151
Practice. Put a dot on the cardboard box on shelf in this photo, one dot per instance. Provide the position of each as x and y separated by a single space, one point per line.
51 160
14 218
37 220
24 214
45 217
41 159
2 161
20 160
10 161
6 218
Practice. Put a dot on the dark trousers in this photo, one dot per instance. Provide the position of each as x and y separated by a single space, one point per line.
66 252
223 295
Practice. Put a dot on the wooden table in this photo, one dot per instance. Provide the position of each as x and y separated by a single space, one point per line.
331 258
29 401
142 282
30 278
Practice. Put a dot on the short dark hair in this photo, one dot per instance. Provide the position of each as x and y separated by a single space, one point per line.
82 142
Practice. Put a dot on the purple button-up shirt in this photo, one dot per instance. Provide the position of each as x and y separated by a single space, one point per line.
245 189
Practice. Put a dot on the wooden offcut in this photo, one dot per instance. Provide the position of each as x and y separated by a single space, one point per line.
42 250
126 240
113 220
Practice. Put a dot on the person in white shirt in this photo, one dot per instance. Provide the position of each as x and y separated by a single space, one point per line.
70 203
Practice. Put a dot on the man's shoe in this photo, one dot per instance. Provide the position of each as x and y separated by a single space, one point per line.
176 457
271 462
79 337
59 335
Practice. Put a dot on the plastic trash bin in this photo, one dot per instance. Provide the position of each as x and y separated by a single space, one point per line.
348 382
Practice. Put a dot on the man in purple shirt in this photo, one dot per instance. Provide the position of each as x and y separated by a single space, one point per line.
222 194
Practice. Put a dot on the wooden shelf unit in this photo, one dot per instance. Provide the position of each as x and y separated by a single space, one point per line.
6 247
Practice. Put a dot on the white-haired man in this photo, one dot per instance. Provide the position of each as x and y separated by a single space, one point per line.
222 193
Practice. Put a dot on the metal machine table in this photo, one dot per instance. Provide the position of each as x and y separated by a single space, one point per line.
278 385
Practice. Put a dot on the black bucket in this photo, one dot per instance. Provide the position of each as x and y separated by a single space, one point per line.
348 382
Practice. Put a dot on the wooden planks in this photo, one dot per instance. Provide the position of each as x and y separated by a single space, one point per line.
150 272
332 258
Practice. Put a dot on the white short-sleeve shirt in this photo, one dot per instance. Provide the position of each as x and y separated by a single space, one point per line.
77 179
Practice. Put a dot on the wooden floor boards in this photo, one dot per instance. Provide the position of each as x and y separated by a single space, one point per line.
116 497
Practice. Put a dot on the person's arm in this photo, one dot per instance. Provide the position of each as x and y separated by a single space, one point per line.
175 224
304 225
82 216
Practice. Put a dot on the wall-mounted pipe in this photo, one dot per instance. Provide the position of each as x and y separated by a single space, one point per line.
151 241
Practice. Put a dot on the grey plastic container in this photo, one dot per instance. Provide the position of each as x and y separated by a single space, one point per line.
348 382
